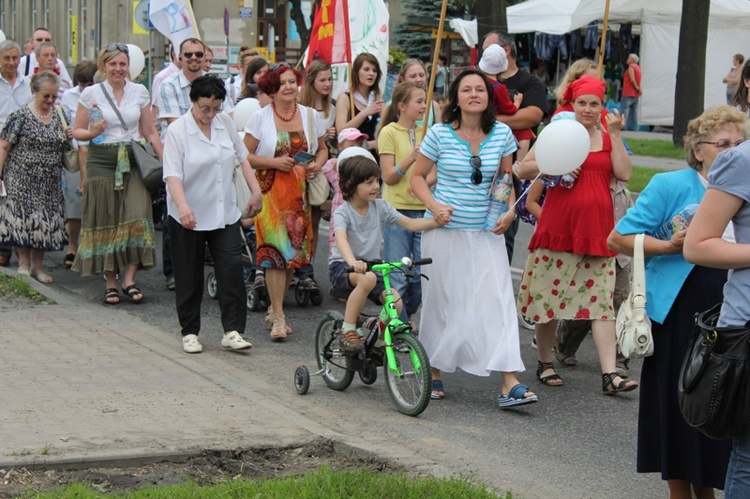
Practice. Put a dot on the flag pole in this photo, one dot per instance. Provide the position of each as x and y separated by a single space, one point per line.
433 72
195 24
600 66
348 40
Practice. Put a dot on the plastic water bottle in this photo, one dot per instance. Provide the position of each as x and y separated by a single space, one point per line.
567 181
96 115
677 223
499 196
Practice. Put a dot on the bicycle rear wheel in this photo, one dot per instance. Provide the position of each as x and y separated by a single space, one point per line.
410 387
331 357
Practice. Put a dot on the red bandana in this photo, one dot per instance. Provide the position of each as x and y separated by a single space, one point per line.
586 85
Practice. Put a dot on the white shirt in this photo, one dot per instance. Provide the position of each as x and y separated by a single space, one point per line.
159 78
34 64
205 167
263 127
233 88
134 99
13 98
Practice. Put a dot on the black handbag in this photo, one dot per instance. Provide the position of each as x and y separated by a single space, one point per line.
714 383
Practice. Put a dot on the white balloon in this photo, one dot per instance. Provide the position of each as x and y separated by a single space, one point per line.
243 111
562 147
137 60
2 36
352 151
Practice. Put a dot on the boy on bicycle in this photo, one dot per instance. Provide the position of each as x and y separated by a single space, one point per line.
358 228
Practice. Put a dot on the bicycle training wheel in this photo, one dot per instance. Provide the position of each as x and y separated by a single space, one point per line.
336 365
212 286
411 386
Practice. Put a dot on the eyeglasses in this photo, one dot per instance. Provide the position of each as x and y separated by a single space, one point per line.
476 174
189 55
211 110
117 46
42 39
274 67
722 144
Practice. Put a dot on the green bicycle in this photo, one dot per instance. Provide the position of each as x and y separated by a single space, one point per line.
389 343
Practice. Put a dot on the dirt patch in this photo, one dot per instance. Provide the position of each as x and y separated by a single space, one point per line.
207 468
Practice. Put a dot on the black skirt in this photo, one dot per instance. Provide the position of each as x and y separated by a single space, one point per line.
666 443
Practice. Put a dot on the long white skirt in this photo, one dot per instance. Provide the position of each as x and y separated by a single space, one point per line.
468 309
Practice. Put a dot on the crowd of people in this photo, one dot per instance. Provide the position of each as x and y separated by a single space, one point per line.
408 178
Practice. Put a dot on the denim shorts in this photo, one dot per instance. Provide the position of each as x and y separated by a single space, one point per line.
339 279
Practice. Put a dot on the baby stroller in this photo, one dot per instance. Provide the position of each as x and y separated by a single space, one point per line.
257 296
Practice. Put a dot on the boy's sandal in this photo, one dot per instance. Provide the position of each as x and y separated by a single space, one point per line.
111 294
69 259
132 291
516 397
438 391
547 380
609 387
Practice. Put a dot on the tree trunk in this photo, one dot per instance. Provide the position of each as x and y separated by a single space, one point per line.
490 15
295 12
691 66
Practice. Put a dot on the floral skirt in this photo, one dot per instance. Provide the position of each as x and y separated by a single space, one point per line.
560 285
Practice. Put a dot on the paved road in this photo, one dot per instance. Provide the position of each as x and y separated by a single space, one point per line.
574 443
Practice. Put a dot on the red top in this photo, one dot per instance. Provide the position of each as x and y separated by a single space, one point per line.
628 90
504 105
578 220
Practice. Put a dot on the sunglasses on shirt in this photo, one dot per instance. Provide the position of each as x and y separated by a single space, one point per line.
476 173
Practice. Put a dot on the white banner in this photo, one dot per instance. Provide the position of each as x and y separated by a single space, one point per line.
368 27
173 19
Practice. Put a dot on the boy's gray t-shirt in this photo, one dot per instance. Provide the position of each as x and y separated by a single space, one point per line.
364 233
731 173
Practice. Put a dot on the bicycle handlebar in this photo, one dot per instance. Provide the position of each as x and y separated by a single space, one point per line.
371 263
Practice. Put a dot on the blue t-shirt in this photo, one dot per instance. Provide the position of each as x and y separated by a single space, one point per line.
730 173
454 187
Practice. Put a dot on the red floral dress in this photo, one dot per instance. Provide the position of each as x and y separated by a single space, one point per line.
570 272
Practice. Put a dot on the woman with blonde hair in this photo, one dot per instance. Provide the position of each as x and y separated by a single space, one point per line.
582 67
676 290
117 235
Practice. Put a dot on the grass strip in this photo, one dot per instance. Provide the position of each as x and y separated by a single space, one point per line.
641 177
12 287
322 484
656 148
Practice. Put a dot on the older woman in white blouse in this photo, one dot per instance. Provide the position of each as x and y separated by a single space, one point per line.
201 150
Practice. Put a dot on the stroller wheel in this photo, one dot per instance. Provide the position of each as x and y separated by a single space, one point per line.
301 294
258 303
211 286
252 298
316 297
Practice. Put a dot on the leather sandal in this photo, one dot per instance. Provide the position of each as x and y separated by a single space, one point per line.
111 294
546 366
132 291
610 388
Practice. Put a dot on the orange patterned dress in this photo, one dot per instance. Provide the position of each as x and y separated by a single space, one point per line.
283 227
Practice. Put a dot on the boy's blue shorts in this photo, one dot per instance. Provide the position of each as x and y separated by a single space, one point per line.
339 279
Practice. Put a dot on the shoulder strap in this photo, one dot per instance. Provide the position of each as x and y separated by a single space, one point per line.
114 106
639 272
310 128
61 115
28 64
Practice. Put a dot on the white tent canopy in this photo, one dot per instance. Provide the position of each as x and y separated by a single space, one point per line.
728 33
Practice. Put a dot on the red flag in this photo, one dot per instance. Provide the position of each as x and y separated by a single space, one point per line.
329 37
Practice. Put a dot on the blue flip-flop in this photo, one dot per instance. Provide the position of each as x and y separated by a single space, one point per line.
437 389
515 397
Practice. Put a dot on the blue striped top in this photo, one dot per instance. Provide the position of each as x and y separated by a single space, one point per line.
454 187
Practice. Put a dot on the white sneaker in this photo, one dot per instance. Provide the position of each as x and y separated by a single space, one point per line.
191 344
233 340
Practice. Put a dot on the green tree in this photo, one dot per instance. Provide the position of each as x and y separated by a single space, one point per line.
414 36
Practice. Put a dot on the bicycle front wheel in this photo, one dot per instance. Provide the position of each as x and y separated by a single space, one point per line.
332 359
411 382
